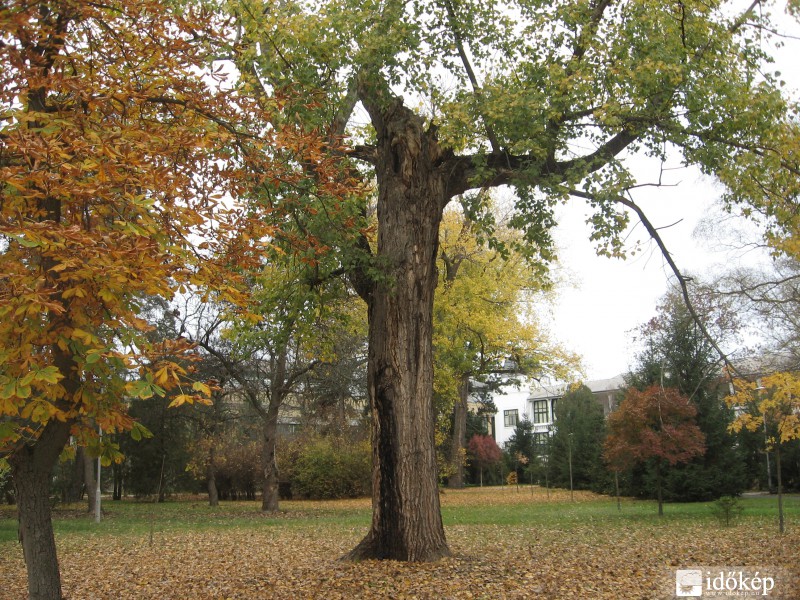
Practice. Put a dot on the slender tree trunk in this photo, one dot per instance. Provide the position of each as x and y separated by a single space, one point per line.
459 434
781 522
269 498
90 481
406 516
116 470
211 473
31 468
279 385
547 484
161 492
658 491
76 485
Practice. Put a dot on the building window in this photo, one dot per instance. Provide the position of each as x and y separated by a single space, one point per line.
540 411
510 418
541 443
553 408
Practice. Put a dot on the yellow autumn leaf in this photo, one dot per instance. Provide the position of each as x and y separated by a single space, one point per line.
199 386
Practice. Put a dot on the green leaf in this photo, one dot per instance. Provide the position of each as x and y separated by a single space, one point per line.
141 389
49 374
8 390
139 431
8 431
27 379
199 386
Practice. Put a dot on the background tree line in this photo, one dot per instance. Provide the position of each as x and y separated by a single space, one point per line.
324 453
674 355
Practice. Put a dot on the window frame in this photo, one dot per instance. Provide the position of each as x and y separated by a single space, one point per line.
538 412
510 415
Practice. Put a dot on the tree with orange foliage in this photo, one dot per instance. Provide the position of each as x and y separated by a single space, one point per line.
655 425
125 162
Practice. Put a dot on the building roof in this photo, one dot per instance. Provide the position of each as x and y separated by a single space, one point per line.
556 390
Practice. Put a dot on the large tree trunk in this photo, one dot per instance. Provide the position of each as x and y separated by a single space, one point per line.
459 441
32 467
269 498
406 517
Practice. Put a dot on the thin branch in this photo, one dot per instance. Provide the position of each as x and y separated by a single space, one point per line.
682 279
235 373
166 100
580 47
473 80
345 109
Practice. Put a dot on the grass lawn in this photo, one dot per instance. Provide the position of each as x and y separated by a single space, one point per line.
506 543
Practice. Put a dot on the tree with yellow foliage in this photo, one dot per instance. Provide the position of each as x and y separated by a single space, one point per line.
771 404
484 315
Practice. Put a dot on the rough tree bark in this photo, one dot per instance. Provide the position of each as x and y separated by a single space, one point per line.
406 518
31 468
269 432
32 463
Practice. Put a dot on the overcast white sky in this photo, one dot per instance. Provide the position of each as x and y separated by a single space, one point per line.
609 298
596 317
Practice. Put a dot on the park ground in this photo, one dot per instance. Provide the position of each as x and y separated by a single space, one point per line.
506 542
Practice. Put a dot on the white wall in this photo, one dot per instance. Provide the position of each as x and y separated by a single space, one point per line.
511 397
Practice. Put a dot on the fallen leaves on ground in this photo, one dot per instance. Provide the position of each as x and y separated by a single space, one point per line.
633 559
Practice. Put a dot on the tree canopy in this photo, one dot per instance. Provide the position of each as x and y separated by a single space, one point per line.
577 443
126 166
543 95
653 425
550 98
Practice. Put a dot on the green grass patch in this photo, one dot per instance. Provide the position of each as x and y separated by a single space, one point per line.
568 514
134 518
492 507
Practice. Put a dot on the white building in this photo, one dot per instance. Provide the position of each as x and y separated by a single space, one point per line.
523 398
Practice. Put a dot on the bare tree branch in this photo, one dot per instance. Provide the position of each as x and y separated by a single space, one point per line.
681 278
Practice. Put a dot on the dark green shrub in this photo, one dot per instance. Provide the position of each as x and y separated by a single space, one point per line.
327 468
